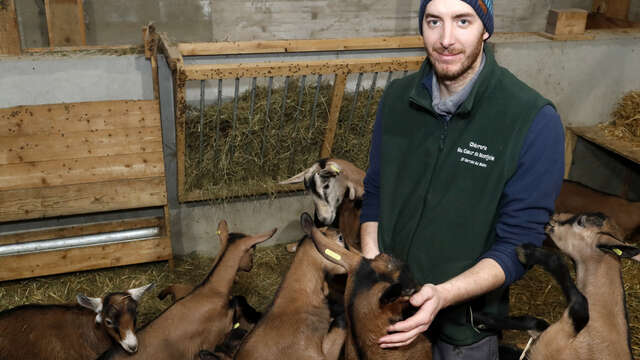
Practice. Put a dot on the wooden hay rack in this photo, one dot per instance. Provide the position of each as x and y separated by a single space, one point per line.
288 70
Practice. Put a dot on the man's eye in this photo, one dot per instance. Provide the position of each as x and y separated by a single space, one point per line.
433 22
464 22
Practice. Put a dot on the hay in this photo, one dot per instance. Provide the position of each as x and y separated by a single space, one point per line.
626 119
249 155
258 285
535 294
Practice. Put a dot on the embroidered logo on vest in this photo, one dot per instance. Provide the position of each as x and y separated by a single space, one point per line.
475 154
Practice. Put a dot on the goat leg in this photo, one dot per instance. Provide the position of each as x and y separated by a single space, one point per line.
333 341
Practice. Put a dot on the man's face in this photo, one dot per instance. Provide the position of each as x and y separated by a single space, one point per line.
453 36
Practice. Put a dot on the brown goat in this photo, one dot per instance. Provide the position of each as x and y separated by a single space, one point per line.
577 198
592 241
594 326
176 291
377 295
71 331
201 319
337 187
297 325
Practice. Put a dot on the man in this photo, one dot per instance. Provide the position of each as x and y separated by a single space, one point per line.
465 164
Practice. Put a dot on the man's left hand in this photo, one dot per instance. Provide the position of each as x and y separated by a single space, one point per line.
430 300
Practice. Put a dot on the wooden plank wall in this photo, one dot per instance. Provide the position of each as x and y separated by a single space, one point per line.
65 23
9 33
66 159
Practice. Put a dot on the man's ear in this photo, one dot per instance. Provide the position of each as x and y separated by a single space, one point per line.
485 36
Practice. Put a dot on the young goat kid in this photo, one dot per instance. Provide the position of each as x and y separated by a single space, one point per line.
297 326
337 187
377 295
595 327
201 319
71 331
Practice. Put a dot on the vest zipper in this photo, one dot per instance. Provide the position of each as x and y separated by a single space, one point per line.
445 131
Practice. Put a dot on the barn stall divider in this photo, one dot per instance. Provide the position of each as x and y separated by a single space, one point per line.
86 159
274 107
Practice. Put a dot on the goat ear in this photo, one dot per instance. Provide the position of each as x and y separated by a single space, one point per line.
298 178
306 221
333 168
223 234
625 251
333 252
256 239
90 303
136 294
355 190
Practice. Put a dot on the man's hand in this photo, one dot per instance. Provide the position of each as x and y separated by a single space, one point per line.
430 300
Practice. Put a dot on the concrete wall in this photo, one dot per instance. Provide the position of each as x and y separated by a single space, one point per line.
111 22
583 78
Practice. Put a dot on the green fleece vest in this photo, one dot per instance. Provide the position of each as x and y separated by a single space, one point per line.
441 182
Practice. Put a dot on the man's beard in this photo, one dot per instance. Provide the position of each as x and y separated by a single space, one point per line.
467 63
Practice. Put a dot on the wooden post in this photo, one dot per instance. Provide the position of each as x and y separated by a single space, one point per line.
618 9
65 23
566 21
336 102
9 32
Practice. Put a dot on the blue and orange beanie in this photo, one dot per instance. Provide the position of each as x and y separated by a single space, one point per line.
484 9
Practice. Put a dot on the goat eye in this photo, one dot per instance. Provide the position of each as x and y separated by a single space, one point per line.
108 322
326 186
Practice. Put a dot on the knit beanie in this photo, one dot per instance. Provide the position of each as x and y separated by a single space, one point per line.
484 9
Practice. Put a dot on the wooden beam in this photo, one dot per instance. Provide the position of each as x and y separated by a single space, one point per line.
78 230
171 52
9 31
65 23
80 171
82 198
84 258
180 101
334 113
618 9
284 46
596 135
342 66
84 116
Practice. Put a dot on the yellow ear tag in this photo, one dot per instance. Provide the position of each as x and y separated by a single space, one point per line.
236 325
332 254
218 232
617 251
335 169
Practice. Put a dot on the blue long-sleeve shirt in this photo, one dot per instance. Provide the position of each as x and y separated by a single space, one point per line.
527 199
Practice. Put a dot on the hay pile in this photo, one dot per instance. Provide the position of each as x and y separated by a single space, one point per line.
626 119
249 155
535 294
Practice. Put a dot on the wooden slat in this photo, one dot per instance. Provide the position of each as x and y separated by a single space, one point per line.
86 258
78 230
179 83
9 31
20 149
618 146
79 171
82 198
198 195
334 112
283 46
83 116
96 49
65 22
342 66
570 37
